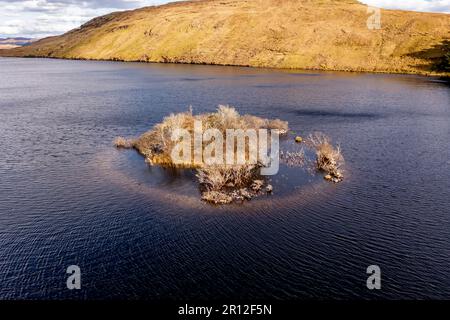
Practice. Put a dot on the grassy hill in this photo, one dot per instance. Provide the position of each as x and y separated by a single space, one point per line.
308 34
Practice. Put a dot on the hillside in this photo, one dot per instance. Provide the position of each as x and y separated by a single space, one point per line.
308 34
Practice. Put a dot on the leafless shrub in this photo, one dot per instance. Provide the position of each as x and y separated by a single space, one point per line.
254 122
281 126
328 158
219 177
121 142
224 184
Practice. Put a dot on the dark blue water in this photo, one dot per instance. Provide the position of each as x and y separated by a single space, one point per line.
68 197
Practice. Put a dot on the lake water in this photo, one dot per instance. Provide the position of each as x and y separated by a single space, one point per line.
67 196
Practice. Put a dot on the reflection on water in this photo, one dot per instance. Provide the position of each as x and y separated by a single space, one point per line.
68 197
179 188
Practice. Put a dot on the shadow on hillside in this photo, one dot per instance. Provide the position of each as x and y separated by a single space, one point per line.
437 56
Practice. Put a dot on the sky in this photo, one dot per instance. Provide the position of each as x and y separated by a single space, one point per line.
40 18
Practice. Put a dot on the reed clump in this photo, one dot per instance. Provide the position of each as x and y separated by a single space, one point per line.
329 158
121 142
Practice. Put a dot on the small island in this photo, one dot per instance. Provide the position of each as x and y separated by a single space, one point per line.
231 153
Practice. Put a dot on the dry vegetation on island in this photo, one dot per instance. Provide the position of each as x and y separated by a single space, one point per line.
222 183
219 183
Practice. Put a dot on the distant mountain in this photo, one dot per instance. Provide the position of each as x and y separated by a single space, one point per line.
307 34
6 43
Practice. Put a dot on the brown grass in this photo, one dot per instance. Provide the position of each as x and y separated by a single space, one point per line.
157 145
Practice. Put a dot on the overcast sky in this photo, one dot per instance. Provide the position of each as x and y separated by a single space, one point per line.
39 18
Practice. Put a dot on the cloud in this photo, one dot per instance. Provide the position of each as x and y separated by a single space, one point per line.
85 3
40 18
414 5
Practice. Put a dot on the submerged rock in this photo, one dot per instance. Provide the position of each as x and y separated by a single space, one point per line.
246 194
269 188
217 197
157 148
257 185
237 196
335 177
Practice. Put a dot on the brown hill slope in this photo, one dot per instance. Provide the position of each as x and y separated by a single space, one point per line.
309 34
